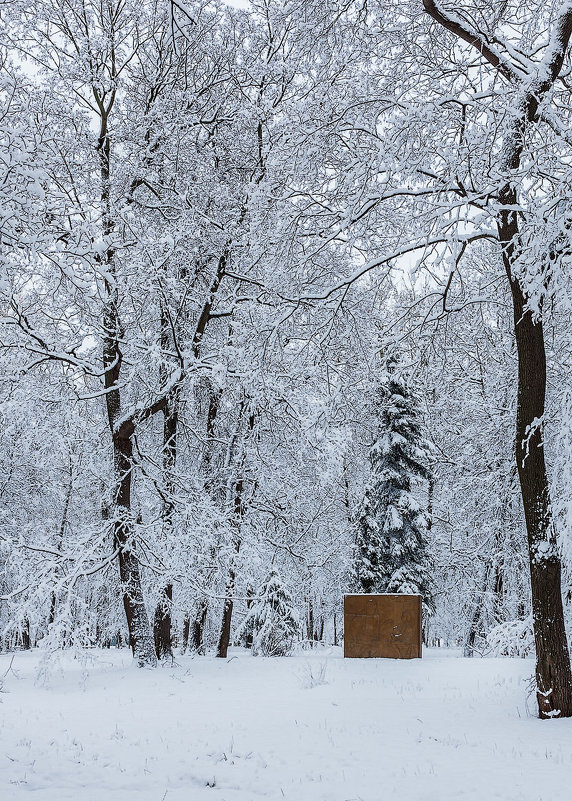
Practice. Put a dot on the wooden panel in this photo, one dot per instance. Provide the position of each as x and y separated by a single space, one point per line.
382 626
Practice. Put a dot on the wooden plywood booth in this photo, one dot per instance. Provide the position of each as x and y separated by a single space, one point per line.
382 626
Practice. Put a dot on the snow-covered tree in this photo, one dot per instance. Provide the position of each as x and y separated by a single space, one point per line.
392 528
271 620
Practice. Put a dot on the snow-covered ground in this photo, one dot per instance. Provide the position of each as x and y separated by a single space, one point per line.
314 727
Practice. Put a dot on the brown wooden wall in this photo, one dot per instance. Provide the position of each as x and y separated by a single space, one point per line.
382 626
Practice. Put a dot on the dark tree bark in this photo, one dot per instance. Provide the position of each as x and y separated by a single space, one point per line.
430 497
186 632
224 637
319 635
199 622
140 635
498 592
310 622
553 673
25 636
228 605
60 541
476 621
250 594
162 625
239 511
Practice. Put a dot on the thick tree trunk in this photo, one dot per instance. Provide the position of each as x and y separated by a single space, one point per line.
553 674
140 635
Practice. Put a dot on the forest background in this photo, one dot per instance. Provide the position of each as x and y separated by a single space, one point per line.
224 233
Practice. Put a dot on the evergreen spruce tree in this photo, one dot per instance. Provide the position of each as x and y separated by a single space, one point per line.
392 530
271 621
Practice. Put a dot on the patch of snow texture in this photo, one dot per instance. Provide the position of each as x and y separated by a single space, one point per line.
313 727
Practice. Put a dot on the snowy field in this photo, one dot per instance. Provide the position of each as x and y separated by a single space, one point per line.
308 728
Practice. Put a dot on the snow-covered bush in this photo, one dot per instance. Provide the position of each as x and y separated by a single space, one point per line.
512 638
271 620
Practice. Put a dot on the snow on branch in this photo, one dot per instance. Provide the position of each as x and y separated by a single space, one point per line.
554 56
461 28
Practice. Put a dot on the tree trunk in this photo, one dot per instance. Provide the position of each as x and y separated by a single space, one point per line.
162 624
335 629
186 632
226 622
499 593
239 510
553 674
199 622
310 623
60 542
430 498
249 637
25 636
140 635
469 648
224 638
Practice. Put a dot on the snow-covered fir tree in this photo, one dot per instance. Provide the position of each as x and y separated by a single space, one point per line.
392 530
271 620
